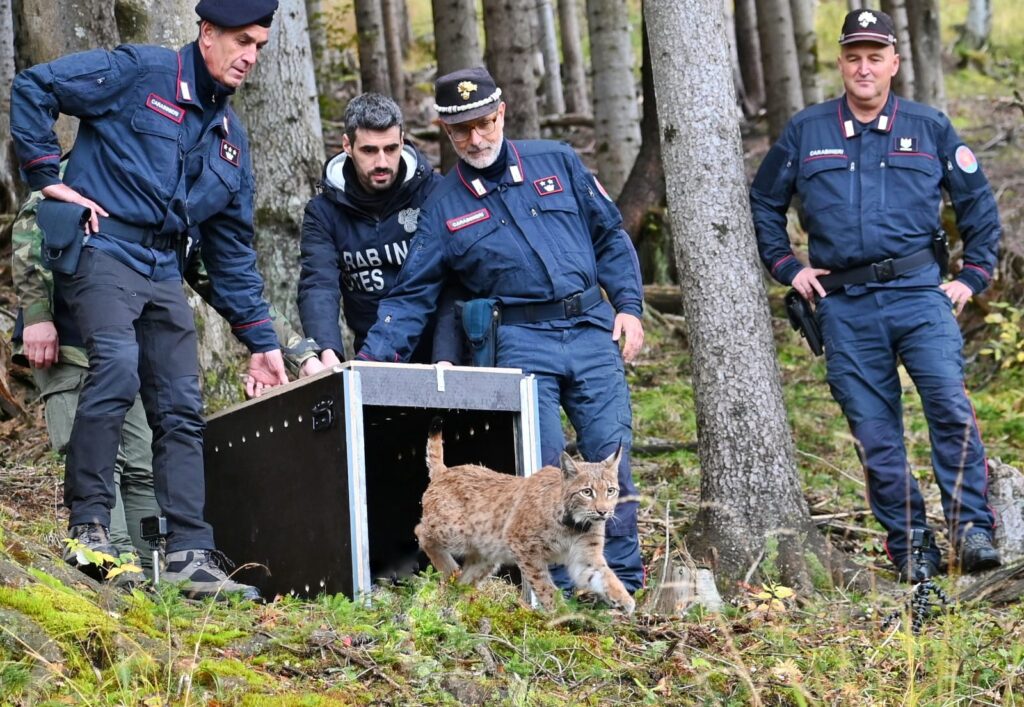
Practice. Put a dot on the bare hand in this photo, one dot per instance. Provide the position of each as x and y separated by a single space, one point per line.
631 326
62 192
41 344
329 358
443 364
958 293
310 366
266 370
806 282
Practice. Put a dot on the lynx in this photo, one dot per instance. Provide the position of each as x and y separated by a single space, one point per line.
555 516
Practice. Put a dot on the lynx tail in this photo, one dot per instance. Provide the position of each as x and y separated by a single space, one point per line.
435 448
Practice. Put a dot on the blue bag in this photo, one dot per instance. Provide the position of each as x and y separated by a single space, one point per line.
480 319
62 225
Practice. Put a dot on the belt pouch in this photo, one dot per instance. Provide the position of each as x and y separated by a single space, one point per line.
62 225
480 319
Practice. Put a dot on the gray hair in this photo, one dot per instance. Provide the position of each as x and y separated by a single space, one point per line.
372 111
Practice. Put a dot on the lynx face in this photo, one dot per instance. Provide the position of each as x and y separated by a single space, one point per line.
590 490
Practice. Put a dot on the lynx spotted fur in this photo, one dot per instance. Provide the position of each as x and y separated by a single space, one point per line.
555 516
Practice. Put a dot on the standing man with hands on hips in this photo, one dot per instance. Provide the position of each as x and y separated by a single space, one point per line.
868 168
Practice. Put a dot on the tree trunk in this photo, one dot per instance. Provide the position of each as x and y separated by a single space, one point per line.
373 57
167 23
616 114
926 46
783 94
457 39
318 43
978 26
806 49
510 58
903 84
8 163
748 50
852 5
278 106
554 98
644 190
751 500
575 72
391 12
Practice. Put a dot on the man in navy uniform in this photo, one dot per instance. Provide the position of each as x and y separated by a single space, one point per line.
356 232
868 168
526 224
158 150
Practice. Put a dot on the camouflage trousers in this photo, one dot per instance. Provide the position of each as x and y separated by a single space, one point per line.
133 473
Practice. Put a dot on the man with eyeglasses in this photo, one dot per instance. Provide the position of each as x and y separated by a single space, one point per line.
525 223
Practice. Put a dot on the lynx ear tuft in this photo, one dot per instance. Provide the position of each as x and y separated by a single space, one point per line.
569 468
615 458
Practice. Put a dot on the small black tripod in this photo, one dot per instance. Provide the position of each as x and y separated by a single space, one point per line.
919 604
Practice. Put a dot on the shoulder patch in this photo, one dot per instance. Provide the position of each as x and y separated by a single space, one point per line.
600 188
166 108
229 152
966 160
547 185
460 222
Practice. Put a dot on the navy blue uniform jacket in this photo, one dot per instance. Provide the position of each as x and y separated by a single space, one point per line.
141 133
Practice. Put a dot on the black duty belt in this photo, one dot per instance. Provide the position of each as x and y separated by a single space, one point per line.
546 311
143 235
883 271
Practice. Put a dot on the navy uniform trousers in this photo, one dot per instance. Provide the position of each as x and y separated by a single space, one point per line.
866 336
140 336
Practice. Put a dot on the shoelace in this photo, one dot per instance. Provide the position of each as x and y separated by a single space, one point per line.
94 533
221 560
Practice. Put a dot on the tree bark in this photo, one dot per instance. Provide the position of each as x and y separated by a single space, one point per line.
616 114
903 83
806 49
551 83
373 58
748 51
318 42
751 500
510 58
278 106
926 47
575 72
167 23
783 94
457 39
978 26
8 163
391 12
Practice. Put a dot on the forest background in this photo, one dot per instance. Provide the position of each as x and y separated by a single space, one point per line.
743 460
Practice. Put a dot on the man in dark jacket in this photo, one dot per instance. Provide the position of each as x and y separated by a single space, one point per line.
356 232
158 152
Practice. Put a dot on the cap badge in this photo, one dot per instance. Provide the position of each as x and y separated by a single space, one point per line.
466 88
866 18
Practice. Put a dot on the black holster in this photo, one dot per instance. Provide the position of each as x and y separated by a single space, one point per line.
940 247
803 319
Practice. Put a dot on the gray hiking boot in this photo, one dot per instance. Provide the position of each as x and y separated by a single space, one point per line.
202 575
89 537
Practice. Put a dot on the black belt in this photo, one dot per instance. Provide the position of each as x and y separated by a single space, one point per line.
546 311
883 271
143 235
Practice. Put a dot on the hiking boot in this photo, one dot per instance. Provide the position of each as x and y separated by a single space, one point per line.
93 537
202 575
917 569
977 554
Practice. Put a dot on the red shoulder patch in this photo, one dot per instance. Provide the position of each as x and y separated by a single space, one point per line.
166 108
459 222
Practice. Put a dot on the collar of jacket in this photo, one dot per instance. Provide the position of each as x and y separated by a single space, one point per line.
849 127
186 87
479 186
332 184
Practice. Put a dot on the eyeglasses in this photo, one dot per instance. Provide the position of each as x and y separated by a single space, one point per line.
483 128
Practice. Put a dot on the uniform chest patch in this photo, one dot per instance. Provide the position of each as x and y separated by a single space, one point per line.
229 152
459 222
966 160
409 218
547 185
165 108
906 144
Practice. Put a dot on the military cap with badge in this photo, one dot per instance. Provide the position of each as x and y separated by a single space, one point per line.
237 13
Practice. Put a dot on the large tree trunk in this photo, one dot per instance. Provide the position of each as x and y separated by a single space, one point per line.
806 49
978 25
926 46
457 39
510 58
8 163
903 84
554 99
278 106
748 51
616 115
750 491
576 94
373 57
783 94
391 11
167 23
